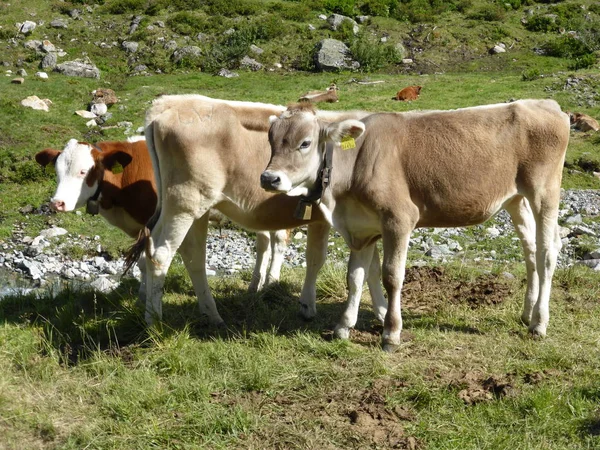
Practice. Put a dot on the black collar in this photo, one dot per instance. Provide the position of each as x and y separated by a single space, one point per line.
304 208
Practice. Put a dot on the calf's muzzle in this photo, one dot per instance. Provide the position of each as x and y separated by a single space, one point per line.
270 181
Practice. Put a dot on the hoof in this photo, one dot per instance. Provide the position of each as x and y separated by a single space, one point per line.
341 333
390 348
538 331
306 312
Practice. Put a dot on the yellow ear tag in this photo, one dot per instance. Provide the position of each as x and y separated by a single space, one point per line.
348 143
117 168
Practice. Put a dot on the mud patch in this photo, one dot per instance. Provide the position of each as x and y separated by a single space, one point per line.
475 388
426 288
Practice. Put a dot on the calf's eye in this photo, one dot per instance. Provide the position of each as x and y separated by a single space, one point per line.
82 172
305 145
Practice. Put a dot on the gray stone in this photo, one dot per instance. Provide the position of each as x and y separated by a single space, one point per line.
249 63
22 72
27 27
49 61
497 49
439 251
47 47
42 75
582 229
333 55
53 232
492 232
130 46
311 27
17 80
85 114
33 44
335 20
576 219
33 268
75 14
59 23
103 284
257 50
227 73
170 45
99 109
190 51
78 68
362 19
140 68
160 24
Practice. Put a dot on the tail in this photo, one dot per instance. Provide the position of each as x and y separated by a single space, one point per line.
143 242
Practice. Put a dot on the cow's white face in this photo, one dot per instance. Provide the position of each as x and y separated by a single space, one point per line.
77 181
296 154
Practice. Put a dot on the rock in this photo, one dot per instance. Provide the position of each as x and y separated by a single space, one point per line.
99 109
188 52
311 27
249 63
37 103
257 50
170 45
85 114
407 61
53 232
42 75
140 68
22 72
27 27
33 44
401 52
49 61
322 17
492 232
497 49
78 68
563 232
91 123
298 236
227 73
362 19
591 263
576 219
332 55
105 95
159 23
17 80
75 14
130 46
579 230
48 47
593 254
439 251
58 23
335 20
33 268
103 284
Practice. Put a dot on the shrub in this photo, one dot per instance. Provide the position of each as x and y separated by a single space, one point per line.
186 23
583 62
372 54
489 13
566 47
379 8
229 8
543 24
125 6
344 7
530 75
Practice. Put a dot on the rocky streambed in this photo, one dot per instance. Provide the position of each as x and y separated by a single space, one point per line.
32 262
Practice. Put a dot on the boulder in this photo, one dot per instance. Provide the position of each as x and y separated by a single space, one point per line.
85 114
47 46
27 27
227 73
335 20
105 95
130 46
332 55
37 103
41 75
190 51
17 80
257 50
78 68
33 44
58 23
49 61
99 109
250 63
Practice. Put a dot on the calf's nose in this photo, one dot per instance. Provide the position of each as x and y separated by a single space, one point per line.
57 205
269 181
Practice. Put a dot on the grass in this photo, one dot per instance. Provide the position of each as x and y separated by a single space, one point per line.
81 370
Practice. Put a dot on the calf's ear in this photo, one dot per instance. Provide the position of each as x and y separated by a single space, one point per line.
116 160
47 156
346 128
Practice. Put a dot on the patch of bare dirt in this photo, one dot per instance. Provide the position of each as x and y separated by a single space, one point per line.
476 388
425 288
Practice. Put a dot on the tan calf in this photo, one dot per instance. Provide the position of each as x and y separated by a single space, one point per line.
431 169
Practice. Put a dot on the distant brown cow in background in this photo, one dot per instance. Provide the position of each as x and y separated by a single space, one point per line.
329 96
583 122
408 94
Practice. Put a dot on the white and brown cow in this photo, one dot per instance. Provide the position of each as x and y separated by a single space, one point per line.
209 153
430 169
126 198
